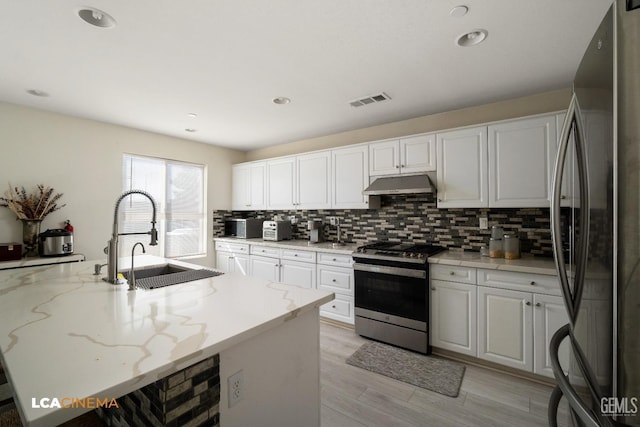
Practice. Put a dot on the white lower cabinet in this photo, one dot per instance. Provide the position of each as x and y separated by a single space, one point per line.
232 257
501 316
453 316
265 268
335 274
505 330
298 273
549 315
276 265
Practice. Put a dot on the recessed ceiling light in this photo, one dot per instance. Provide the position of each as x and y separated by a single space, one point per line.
97 17
192 115
459 11
472 38
190 130
38 92
281 100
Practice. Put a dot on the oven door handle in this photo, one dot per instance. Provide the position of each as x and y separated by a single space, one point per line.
394 271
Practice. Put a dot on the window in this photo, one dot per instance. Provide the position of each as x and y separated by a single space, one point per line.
178 189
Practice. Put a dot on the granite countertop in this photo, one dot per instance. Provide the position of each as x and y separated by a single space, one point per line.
66 333
347 249
526 264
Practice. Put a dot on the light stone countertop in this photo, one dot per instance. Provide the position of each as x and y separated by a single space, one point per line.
32 261
66 333
328 247
526 264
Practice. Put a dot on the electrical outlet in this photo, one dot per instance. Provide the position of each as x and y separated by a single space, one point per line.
235 387
484 223
293 219
333 220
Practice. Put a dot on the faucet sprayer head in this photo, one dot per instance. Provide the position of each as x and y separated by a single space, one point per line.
154 235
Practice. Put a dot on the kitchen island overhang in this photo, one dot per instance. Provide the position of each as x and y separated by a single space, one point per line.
66 333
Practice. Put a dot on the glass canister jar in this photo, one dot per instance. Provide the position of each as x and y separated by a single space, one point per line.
495 248
496 232
511 246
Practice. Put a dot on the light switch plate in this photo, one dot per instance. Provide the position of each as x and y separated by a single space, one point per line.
484 223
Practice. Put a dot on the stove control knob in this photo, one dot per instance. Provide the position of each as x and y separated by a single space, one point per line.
405 254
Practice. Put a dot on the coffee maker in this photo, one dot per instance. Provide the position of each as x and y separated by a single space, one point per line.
315 231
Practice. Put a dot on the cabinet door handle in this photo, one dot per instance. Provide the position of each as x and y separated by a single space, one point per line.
295 254
563 197
401 166
334 280
452 273
433 289
538 304
333 306
397 166
439 200
528 302
532 283
335 259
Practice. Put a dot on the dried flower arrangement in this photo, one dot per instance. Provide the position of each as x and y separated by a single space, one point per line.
31 206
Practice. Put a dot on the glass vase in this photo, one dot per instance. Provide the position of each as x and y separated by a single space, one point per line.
30 233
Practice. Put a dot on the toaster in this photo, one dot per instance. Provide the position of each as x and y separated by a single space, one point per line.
276 230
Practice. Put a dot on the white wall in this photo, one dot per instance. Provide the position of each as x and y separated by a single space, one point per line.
83 159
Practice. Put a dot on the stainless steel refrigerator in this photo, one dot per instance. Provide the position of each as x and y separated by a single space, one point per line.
592 362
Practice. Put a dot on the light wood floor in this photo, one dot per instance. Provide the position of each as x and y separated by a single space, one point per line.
352 396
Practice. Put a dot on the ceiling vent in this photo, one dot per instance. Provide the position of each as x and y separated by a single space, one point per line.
370 99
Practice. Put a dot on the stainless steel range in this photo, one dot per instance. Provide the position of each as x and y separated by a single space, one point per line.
392 293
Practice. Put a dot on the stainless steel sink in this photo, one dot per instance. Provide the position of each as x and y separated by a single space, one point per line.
168 274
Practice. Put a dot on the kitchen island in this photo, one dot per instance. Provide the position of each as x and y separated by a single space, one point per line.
65 333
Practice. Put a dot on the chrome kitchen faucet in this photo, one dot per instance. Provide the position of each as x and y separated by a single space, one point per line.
112 250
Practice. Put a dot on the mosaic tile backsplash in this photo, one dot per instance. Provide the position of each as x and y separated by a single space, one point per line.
416 219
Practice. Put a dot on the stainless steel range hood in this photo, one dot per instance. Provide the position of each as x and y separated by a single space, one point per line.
402 184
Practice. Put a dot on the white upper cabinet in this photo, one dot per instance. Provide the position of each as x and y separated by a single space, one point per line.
418 153
521 162
248 186
413 154
314 181
462 168
281 183
350 175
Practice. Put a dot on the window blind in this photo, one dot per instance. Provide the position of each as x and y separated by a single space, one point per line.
178 189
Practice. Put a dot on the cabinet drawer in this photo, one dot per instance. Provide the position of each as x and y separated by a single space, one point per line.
265 251
336 279
232 247
453 273
538 283
340 309
293 255
341 260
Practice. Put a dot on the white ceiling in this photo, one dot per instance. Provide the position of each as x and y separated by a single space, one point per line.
227 59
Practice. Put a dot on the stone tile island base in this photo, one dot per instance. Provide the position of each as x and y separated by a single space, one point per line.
190 397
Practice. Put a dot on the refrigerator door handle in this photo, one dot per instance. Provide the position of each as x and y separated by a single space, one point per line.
572 121
564 387
556 189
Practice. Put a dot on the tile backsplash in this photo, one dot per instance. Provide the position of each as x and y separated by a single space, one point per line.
415 219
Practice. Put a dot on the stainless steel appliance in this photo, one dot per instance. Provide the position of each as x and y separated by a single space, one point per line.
392 293
276 230
583 220
55 242
243 228
315 231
